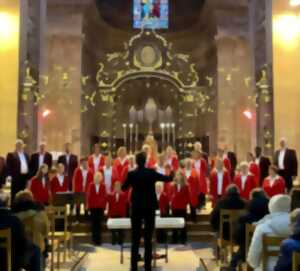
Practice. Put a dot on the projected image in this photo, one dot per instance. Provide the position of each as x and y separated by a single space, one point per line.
151 14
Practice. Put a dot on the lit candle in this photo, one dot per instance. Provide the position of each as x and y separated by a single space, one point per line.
136 136
168 133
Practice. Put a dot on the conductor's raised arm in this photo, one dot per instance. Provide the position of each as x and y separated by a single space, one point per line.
162 178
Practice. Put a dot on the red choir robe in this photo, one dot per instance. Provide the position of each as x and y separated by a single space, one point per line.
79 185
278 187
249 185
254 169
179 198
100 165
40 190
151 162
163 203
214 184
173 163
118 168
193 184
201 170
117 205
96 200
227 163
56 187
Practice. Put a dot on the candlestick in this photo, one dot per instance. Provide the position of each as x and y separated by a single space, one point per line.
136 136
125 134
174 137
168 133
130 136
162 126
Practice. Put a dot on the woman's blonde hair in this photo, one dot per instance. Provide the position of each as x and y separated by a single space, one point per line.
180 178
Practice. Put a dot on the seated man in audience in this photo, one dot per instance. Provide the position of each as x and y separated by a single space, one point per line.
31 213
290 245
231 201
256 210
23 254
274 224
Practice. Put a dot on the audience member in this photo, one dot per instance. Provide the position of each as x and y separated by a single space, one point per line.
290 245
256 210
231 201
275 224
33 217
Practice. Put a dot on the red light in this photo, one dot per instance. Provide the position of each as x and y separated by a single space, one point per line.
46 113
248 114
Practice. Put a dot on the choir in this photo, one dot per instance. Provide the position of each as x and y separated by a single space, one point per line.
99 177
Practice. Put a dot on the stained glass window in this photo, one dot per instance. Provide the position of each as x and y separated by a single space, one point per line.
151 14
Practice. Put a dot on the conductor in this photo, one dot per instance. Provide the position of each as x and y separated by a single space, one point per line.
144 203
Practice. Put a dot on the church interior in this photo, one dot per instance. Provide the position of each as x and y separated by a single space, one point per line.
206 90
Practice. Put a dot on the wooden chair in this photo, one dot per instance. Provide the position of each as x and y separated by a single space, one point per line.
53 241
271 248
65 236
230 218
296 261
250 228
5 236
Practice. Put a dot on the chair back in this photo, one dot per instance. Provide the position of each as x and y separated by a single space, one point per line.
296 261
271 248
229 217
58 214
250 228
5 243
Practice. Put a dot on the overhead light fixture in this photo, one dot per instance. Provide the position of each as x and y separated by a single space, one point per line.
295 3
248 114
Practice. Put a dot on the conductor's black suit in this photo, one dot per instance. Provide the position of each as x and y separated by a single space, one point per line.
143 204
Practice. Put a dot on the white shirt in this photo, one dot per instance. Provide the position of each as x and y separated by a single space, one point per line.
67 159
178 187
61 179
158 196
188 173
23 161
117 197
197 165
44 182
96 162
257 161
273 180
160 170
220 183
41 159
243 181
123 161
97 188
107 178
84 173
281 159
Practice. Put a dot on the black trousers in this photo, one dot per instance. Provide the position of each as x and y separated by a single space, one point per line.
18 184
193 213
138 217
180 235
288 179
96 223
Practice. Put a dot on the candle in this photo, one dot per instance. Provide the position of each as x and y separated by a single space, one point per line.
168 133
173 133
136 136
130 136
162 126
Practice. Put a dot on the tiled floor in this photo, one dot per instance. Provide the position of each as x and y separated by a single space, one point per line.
181 258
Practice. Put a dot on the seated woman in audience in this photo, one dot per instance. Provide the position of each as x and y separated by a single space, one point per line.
273 184
244 181
274 224
231 201
117 208
290 245
180 198
219 180
164 208
39 185
59 183
256 210
193 184
34 218
97 200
